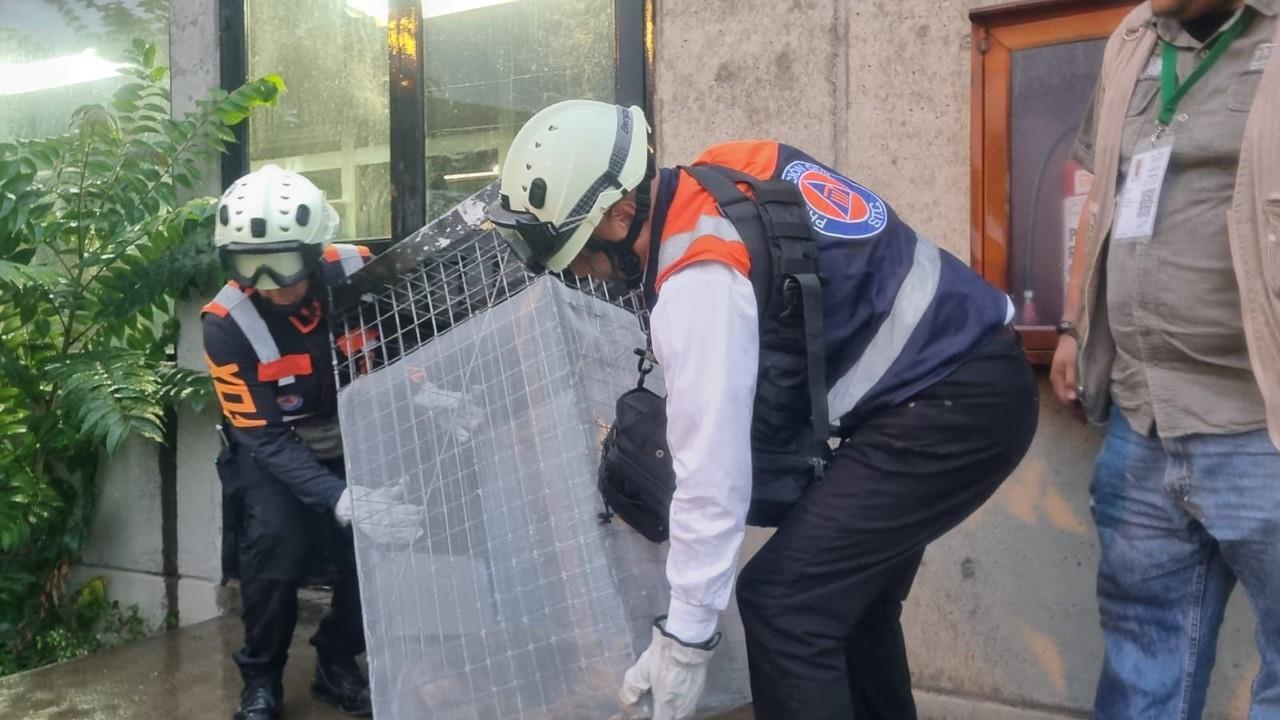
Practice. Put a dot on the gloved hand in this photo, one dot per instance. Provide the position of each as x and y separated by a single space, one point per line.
380 514
452 409
675 673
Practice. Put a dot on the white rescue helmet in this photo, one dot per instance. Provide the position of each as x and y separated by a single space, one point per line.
566 167
272 228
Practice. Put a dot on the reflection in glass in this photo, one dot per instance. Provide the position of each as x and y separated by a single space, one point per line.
489 68
56 55
1050 90
333 123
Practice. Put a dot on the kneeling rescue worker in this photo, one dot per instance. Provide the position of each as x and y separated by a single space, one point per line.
285 498
768 275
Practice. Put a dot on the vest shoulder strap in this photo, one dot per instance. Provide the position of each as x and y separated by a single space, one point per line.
784 263
741 210
234 302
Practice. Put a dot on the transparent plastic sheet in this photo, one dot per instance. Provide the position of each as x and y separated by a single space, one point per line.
516 602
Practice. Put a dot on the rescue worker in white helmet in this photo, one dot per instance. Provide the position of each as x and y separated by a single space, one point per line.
923 381
285 500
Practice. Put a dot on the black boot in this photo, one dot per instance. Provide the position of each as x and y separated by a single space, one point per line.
260 701
340 682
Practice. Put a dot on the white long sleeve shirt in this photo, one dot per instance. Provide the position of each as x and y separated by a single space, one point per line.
706 336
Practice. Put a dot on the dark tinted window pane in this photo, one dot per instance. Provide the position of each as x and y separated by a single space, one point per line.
332 124
490 65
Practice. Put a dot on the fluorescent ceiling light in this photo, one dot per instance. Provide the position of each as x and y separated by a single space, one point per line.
453 177
19 78
377 9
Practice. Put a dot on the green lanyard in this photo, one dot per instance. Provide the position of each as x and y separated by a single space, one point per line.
1171 92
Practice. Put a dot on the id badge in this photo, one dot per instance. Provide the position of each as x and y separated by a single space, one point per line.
1139 199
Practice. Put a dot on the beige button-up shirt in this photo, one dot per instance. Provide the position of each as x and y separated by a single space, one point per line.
1181 365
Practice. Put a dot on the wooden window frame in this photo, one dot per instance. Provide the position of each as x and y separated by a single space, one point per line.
998 32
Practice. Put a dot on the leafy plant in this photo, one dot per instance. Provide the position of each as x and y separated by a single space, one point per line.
88 622
96 250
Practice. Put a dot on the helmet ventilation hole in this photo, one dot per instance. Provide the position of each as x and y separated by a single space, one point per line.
258 227
302 215
223 216
284 228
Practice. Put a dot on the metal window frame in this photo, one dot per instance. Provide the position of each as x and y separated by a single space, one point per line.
633 85
233 70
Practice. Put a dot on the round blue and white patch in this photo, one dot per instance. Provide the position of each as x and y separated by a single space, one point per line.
289 403
838 206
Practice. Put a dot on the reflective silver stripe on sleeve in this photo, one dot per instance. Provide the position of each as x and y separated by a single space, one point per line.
246 318
351 258
914 297
674 247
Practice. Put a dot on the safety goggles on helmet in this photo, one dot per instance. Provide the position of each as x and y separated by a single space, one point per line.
531 239
269 265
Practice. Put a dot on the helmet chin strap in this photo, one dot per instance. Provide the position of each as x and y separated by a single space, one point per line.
622 254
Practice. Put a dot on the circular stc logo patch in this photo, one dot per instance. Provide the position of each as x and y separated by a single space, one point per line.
289 403
838 206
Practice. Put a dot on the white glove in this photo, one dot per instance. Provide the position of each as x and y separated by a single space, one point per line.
454 408
379 514
673 672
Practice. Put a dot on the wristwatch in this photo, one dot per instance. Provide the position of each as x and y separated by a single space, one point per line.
1066 327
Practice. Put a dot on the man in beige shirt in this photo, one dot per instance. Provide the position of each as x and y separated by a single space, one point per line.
1187 487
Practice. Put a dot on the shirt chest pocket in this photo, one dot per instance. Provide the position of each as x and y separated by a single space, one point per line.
1139 117
1144 94
1242 91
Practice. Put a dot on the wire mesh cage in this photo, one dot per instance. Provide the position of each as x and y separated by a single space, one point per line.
480 393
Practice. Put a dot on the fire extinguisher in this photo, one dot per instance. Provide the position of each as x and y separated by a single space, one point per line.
1076 183
1072 178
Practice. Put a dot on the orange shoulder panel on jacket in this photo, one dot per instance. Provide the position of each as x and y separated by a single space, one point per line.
215 307
758 158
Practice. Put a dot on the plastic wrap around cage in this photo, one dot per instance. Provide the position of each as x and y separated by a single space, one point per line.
482 394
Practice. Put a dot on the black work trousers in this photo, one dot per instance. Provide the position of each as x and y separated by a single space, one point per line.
821 601
280 543
271 615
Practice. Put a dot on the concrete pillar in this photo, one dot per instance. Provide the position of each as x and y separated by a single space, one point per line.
195 70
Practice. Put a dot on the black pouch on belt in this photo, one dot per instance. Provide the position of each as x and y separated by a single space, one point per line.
636 477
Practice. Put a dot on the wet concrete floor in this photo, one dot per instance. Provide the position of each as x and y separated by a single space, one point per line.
186 674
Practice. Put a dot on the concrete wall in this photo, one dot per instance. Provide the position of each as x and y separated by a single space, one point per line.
195 60
1002 621
125 543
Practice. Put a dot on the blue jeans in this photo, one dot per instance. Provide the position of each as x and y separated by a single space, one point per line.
1179 521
